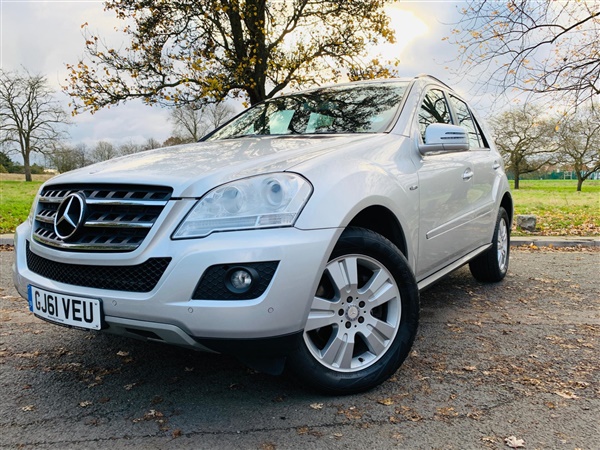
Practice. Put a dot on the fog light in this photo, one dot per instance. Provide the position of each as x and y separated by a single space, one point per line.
240 279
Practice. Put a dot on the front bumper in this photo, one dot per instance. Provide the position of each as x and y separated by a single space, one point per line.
168 313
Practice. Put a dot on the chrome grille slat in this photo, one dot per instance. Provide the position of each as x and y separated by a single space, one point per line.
101 224
126 202
119 217
45 219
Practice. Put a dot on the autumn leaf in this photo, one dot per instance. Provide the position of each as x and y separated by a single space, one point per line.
567 395
316 405
513 442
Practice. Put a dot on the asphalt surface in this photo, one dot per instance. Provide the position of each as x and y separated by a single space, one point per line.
493 365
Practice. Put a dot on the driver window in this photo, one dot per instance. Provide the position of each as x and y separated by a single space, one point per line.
434 109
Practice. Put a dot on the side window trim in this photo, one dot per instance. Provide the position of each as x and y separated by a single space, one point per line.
448 107
482 140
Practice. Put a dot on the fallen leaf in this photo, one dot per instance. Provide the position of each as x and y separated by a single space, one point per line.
122 353
268 446
316 405
85 404
567 394
513 442
28 408
153 413
386 401
176 433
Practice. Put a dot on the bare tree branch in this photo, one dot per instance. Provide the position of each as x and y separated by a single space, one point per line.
535 46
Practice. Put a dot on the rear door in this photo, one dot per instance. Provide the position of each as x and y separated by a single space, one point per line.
485 165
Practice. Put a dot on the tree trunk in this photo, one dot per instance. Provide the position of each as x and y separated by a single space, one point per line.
517 176
27 167
580 181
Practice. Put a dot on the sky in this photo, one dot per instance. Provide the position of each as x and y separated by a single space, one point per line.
43 36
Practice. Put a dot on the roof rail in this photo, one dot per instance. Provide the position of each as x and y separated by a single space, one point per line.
425 75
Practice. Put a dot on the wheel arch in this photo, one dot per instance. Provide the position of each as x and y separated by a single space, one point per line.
507 204
381 220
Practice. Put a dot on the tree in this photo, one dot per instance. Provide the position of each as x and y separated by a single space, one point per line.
536 46
579 142
525 139
103 151
173 140
191 122
65 157
188 50
129 148
32 120
150 144
7 163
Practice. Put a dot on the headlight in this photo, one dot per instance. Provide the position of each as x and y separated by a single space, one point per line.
264 201
33 209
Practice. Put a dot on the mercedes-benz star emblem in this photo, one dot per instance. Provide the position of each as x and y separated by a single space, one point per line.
70 216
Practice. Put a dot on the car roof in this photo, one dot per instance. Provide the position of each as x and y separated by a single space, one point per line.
420 77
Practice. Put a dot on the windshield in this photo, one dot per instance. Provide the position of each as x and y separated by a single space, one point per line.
363 108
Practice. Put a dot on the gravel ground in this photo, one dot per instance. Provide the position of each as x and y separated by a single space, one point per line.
494 366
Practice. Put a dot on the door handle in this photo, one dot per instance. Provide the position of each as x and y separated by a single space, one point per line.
467 175
496 165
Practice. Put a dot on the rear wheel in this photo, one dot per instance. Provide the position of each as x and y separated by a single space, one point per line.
363 318
492 265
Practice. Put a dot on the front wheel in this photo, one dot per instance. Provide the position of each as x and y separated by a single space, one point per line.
492 265
363 318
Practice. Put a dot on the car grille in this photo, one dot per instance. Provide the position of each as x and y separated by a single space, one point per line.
118 217
139 278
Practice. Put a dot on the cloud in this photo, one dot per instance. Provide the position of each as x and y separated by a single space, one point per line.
44 36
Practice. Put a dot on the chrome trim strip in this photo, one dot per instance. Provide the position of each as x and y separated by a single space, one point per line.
93 247
428 281
102 224
125 202
45 219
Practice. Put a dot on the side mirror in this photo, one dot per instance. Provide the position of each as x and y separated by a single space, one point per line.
442 138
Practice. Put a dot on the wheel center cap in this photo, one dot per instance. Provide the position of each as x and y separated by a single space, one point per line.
352 312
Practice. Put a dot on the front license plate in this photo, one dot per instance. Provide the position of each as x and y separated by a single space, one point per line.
64 309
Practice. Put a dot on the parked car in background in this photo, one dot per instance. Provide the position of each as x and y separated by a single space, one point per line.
297 235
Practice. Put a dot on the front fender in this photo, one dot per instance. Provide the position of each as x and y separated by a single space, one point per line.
385 177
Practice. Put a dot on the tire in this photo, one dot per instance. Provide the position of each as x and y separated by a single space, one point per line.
492 265
363 318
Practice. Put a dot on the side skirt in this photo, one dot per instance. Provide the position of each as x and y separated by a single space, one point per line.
431 279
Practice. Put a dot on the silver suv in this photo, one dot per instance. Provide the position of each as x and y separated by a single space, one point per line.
296 236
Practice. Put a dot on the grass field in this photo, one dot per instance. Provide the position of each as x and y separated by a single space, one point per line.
16 197
560 209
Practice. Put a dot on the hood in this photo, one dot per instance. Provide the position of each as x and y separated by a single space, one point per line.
193 169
